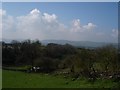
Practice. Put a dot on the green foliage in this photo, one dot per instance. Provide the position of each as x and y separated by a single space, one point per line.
107 57
55 57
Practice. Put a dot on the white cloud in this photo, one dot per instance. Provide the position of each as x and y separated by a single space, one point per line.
111 36
50 18
33 26
76 23
35 12
77 27
8 23
37 25
2 15
89 26
114 33
2 12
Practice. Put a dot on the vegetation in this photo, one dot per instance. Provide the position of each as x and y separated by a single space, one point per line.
66 60
12 79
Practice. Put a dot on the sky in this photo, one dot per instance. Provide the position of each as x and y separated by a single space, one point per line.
80 21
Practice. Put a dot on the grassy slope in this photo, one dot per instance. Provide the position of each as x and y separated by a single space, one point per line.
12 79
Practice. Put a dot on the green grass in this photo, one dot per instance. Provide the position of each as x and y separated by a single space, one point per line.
19 67
0 78
12 79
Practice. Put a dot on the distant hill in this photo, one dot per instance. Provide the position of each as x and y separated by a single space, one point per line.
10 40
86 44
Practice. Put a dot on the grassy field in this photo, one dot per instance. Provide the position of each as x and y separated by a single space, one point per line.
0 78
14 79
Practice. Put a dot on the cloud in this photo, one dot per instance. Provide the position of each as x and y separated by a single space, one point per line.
7 21
114 33
34 25
111 36
77 27
38 25
35 12
89 26
2 12
2 15
50 18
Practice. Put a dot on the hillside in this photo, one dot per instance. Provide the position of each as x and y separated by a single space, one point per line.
86 44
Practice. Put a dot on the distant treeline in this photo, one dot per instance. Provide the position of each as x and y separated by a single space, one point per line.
55 57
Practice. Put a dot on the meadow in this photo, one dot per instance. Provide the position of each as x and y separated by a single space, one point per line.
0 78
16 79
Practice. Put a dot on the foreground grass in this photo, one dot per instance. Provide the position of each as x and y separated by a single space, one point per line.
0 78
12 79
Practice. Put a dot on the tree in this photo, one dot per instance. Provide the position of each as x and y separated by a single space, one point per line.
29 51
59 51
108 58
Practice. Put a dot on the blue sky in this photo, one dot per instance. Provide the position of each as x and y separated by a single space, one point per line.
102 16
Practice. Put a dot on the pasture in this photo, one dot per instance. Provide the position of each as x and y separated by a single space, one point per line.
15 79
0 78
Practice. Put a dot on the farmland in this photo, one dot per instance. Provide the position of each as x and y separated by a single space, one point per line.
15 79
